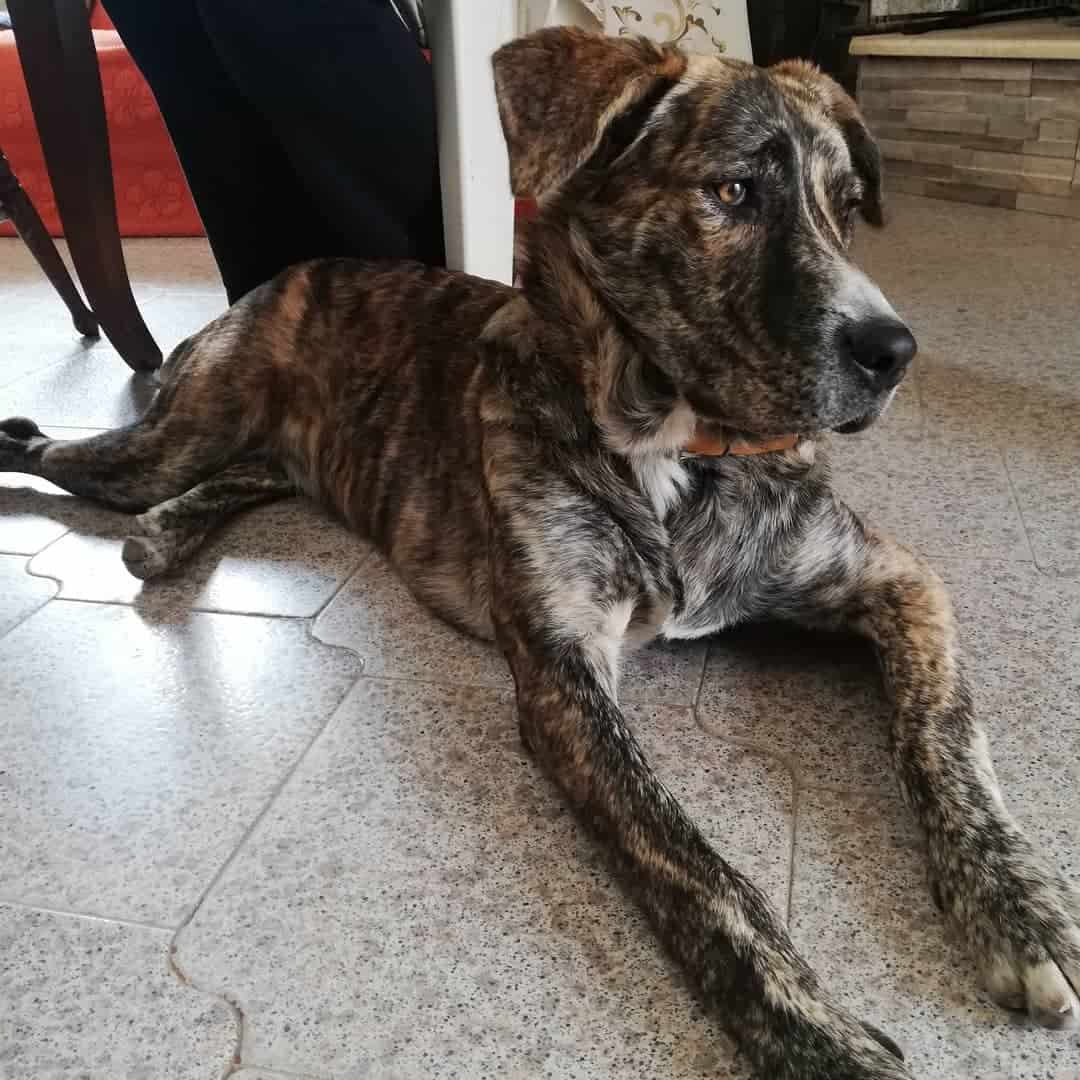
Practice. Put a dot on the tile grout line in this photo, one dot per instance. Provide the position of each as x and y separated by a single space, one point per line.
87 916
788 766
43 604
173 960
1019 509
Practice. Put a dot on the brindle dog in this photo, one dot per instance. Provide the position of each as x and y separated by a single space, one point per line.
522 456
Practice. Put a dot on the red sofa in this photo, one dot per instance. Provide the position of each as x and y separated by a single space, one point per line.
151 194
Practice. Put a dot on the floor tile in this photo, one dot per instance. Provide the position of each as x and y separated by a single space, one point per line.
420 902
818 699
940 495
34 513
17 360
1020 633
285 558
92 1000
862 915
18 268
137 752
20 594
181 264
814 698
174 316
85 388
377 617
254 1072
1046 480
37 317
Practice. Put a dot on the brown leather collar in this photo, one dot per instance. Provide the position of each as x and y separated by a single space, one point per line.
716 446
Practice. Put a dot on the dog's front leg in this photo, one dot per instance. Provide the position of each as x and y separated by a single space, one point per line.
1019 917
717 924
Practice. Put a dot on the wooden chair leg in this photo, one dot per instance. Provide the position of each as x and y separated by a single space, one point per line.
56 49
16 206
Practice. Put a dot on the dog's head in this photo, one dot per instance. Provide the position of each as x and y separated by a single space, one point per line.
710 204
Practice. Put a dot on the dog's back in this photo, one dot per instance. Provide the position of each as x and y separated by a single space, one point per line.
368 380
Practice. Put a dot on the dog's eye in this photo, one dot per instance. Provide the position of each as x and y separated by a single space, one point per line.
733 192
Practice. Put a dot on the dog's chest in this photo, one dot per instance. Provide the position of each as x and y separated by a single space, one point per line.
663 480
730 525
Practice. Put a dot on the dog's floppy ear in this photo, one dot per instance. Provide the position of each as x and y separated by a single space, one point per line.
842 110
561 90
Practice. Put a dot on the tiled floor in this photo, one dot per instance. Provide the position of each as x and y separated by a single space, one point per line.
269 819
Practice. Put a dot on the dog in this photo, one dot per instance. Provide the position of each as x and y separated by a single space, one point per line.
628 446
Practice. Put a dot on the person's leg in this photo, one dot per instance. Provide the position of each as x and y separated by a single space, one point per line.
258 216
344 87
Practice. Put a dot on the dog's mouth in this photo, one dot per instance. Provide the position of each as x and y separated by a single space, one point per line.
853 427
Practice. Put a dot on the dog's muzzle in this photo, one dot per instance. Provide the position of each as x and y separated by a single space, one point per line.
881 349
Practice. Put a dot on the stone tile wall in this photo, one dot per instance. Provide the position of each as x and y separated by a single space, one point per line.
996 132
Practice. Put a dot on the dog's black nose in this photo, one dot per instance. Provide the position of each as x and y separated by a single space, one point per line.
883 348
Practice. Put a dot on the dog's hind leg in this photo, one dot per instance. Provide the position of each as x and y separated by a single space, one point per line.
211 409
175 529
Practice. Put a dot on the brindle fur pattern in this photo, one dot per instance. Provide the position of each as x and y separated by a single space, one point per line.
517 455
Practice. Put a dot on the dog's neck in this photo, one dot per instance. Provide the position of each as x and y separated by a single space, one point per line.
629 398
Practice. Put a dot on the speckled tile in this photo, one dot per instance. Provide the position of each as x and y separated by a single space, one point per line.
1046 479
285 558
420 902
817 698
1020 632
92 1000
397 637
136 753
862 915
255 1072
937 494
34 513
20 594
814 698
377 617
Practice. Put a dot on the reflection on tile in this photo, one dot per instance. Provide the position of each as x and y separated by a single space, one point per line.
862 915
419 881
376 616
86 388
815 698
136 753
18 360
172 317
286 558
96 1000
20 594
34 513
178 264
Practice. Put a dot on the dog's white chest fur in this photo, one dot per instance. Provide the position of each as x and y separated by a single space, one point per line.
662 478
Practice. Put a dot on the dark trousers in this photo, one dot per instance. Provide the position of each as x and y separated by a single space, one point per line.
305 127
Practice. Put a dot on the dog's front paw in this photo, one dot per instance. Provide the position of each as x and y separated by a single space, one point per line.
835 1048
1023 923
